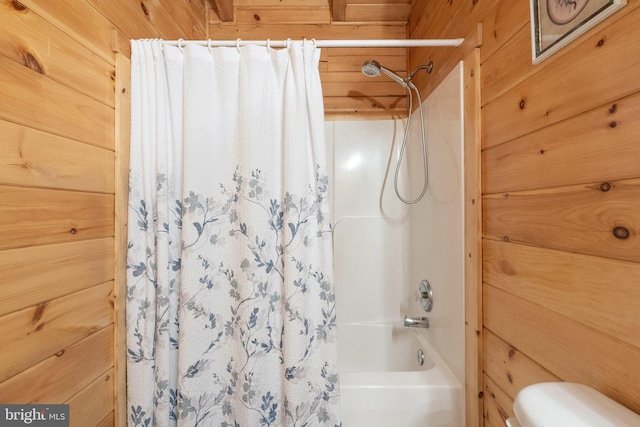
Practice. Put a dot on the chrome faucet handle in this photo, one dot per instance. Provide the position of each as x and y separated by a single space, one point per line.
426 294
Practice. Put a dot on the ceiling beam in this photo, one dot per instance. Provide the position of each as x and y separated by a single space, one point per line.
224 8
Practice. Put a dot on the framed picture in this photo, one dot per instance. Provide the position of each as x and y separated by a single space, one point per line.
555 23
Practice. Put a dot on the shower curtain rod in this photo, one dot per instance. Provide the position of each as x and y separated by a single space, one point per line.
322 43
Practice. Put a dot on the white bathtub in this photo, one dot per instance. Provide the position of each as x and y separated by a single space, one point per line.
383 385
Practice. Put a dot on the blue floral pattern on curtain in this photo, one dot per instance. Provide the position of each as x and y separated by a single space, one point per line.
230 304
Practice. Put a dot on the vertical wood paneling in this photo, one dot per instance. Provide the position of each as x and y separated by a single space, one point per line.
123 106
472 239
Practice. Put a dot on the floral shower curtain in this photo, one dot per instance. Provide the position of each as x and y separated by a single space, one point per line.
230 301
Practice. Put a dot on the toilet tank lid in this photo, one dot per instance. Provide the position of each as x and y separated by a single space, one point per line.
570 405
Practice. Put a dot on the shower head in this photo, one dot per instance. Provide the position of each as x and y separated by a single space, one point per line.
372 68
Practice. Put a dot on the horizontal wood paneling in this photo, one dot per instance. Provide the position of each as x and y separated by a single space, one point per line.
391 88
31 41
283 15
498 405
358 105
108 421
510 67
580 218
377 12
57 185
131 17
61 376
544 98
33 275
300 31
78 19
31 99
41 331
93 403
509 368
38 159
500 24
597 145
183 16
577 286
353 63
35 216
566 348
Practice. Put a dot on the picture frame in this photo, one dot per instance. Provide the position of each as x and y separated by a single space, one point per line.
556 23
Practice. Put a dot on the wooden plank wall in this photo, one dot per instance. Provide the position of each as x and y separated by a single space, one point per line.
561 203
347 92
57 194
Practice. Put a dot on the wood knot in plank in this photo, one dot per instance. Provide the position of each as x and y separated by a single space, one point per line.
18 6
523 104
144 9
507 268
31 62
37 315
605 186
256 17
510 378
613 108
621 233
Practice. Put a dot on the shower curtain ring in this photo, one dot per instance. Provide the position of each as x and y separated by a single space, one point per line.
314 43
209 45
268 45
238 44
289 43
180 45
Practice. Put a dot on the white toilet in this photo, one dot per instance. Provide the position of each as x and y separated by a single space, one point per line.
560 404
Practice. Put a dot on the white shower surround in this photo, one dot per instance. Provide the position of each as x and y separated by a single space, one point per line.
383 248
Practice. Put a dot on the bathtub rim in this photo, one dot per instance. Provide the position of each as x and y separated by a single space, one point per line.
439 376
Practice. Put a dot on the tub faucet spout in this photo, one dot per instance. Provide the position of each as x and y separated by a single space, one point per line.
416 322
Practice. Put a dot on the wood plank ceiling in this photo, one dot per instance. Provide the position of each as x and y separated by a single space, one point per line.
346 91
